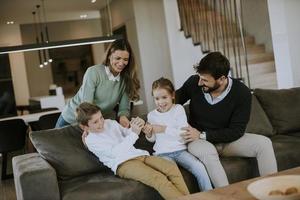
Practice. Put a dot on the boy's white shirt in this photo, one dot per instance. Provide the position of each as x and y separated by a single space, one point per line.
170 140
114 145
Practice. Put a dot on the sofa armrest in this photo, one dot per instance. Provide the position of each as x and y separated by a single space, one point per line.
34 178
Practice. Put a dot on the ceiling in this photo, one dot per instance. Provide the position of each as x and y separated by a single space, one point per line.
20 11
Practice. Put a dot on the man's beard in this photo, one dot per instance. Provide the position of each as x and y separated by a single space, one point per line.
206 89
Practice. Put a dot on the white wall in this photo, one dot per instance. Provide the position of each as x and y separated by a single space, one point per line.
182 51
10 36
256 21
123 14
292 19
284 16
40 79
153 43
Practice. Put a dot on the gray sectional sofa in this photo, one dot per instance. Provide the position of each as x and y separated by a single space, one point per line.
64 169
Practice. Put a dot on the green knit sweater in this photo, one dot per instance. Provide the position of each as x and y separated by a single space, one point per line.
98 89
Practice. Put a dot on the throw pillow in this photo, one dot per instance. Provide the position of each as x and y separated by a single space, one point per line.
259 122
64 150
282 108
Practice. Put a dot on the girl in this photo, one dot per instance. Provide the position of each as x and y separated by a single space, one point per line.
164 128
106 85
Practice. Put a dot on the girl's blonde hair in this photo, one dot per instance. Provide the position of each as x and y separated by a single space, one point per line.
85 111
163 83
129 73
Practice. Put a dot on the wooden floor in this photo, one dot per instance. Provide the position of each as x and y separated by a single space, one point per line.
7 190
7 187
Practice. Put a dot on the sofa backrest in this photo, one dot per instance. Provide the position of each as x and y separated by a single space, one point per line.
259 122
64 150
282 108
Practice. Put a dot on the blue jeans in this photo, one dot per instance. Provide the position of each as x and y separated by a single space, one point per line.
191 164
61 122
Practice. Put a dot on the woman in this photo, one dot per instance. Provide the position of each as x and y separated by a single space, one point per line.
106 85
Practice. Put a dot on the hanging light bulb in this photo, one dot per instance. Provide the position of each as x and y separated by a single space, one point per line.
47 40
37 38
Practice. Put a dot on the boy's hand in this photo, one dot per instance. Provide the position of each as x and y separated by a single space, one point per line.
83 136
147 129
124 121
137 124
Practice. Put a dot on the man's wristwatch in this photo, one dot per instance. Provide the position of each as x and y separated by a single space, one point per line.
203 135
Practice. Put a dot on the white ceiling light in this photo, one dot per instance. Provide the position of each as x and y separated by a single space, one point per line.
93 1
58 44
83 16
10 22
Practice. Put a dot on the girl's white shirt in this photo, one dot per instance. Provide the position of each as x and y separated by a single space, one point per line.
114 145
170 140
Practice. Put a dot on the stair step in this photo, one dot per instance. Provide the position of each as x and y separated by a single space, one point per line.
251 50
258 69
267 80
249 40
253 58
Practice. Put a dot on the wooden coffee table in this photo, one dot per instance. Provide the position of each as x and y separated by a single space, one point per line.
235 191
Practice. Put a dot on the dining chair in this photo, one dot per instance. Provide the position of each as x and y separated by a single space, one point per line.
12 138
48 121
35 126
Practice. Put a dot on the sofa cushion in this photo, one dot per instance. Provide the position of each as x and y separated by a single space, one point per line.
259 122
64 150
287 151
105 186
282 108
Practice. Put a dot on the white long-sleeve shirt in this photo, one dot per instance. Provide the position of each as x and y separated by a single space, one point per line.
114 145
170 140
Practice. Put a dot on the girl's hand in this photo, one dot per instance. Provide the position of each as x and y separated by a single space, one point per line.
83 136
123 120
158 128
137 124
147 129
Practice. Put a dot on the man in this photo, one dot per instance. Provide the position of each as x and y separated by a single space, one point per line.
219 112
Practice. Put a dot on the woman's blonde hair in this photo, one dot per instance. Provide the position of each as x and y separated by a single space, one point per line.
129 73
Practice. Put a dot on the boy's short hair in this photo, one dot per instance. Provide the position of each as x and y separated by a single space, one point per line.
215 64
85 111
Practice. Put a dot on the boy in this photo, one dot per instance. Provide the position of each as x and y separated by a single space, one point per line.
113 145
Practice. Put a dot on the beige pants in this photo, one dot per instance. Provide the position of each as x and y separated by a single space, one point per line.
161 174
249 145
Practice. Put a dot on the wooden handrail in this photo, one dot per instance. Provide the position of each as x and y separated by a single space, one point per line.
217 26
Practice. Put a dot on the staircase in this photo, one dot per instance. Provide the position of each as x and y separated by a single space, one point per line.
216 25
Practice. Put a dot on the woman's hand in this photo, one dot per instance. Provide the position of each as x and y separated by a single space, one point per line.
123 120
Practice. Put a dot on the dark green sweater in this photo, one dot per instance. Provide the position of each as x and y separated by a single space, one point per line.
224 121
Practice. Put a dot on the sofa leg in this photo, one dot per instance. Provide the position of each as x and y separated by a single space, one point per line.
4 168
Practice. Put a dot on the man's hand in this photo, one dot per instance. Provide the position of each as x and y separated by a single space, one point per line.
137 124
190 134
147 129
124 121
